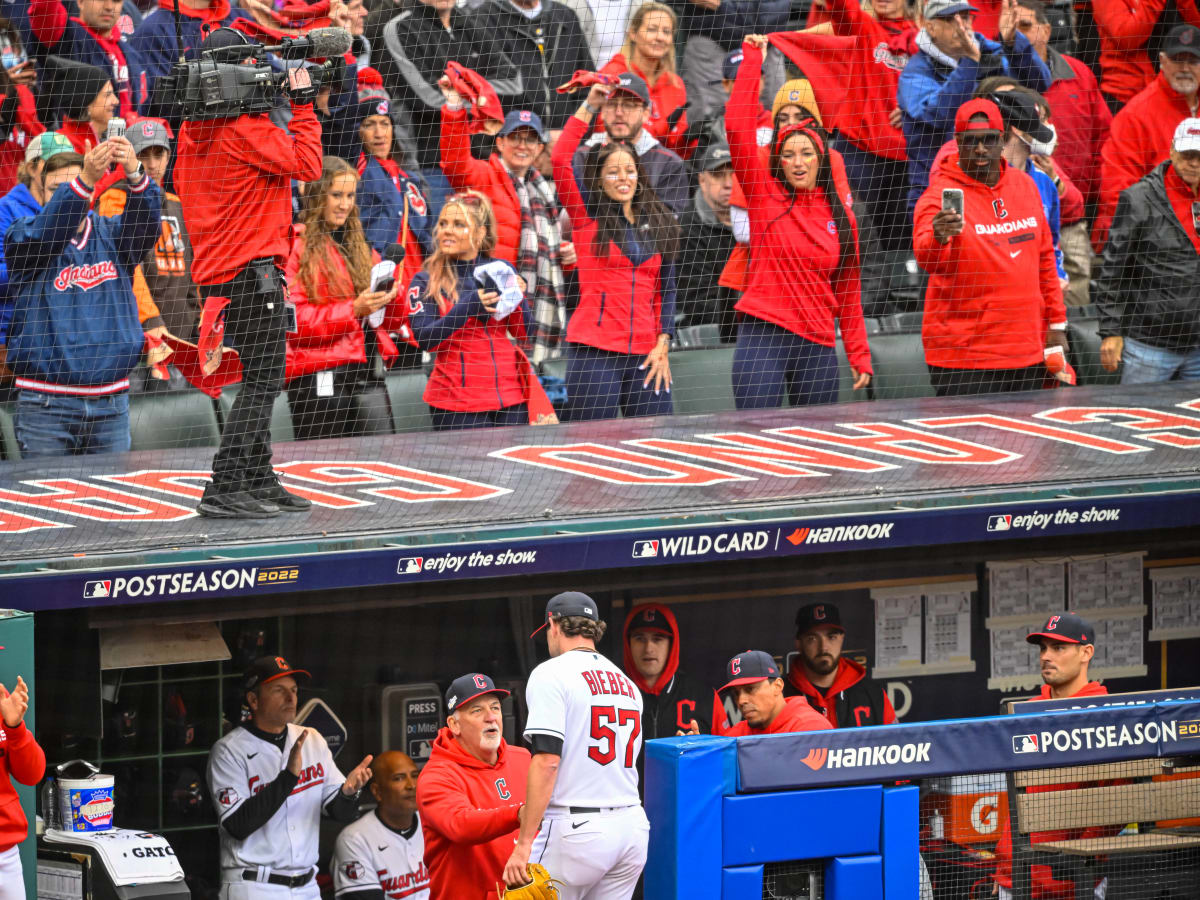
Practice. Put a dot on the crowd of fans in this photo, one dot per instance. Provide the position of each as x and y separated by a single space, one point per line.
760 167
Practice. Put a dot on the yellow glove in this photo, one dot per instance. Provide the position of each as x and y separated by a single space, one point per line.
540 887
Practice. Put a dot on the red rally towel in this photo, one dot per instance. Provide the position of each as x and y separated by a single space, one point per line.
186 358
585 79
480 96
827 61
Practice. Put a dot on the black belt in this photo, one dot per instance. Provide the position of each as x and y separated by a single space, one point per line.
581 810
287 881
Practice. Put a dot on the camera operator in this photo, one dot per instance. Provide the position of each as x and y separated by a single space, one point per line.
234 177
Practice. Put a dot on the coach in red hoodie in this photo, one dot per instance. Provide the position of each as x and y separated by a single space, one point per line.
22 759
1066 650
757 688
994 301
836 687
471 794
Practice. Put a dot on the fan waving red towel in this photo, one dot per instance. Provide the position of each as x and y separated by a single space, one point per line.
479 96
585 79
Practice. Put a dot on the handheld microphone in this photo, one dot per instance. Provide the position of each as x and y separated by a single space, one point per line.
394 253
320 42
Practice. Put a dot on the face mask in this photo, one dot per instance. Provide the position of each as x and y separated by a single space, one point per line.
10 56
1043 148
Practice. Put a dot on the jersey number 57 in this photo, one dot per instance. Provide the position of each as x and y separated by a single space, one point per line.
603 720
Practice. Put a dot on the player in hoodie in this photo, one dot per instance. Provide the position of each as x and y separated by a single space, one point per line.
471 794
836 687
673 703
22 759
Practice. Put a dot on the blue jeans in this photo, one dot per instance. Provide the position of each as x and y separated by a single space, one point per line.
602 384
770 363
1145 364
449 420
54 425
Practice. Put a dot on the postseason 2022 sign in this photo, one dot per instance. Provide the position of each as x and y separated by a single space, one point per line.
614 494
964 746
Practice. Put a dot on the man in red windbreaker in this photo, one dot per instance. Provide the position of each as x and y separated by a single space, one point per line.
994 302
23 759
471 794
1067 647
234 177
1142 131
757 687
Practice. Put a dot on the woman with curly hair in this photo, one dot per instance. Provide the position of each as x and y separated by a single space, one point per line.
329 274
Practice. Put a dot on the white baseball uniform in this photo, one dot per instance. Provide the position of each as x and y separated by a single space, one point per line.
239 766
12 882
370 856
593 837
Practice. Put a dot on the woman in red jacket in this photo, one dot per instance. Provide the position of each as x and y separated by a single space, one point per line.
479 377
625 241
649 53
804 269
22 759
329 274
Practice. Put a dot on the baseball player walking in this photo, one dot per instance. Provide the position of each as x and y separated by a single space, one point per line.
382 855
270 780
583 818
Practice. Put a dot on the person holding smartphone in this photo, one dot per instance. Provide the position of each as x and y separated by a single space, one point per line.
804 279
994 302
329 279
480 377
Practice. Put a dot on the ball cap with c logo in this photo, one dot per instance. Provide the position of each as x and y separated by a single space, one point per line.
270 668
1066 627
570 603
467 687
749 667
816 615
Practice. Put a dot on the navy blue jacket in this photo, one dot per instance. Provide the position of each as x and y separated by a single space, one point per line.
75 319
15 204
930 93
381 208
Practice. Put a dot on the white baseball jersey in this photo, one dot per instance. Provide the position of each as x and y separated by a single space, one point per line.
369 855
240 765
587 702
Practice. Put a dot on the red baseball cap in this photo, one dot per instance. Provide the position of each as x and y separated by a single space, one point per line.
980 106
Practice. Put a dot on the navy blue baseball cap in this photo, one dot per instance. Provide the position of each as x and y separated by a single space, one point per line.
468 687
733 62
1066 627
749 667
523 118
570 603
269 668
818 615
628 83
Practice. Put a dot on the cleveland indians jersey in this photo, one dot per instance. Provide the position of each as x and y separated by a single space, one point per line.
371 856
588 703
240 765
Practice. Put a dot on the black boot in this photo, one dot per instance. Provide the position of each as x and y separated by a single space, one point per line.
234 503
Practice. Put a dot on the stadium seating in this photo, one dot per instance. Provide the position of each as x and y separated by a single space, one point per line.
8 436
163 420
409 412
281 414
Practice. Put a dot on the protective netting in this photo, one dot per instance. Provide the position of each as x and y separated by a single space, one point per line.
515 212
1124 830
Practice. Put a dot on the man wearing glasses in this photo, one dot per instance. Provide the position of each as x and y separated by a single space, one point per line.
1142 131
994 303
623 114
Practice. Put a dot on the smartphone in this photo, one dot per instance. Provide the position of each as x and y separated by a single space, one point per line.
116 128
386 285
952 199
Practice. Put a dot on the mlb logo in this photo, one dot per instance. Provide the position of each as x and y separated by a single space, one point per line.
999 523
1025 743
95 589
645 549
410 565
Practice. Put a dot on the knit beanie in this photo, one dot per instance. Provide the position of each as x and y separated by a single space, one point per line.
797 92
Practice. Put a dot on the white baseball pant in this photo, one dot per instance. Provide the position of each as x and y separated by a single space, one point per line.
253 890
596 856
12 881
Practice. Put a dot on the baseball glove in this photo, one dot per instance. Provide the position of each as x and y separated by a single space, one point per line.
541 887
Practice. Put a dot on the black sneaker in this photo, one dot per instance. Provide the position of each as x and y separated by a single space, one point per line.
275 494
236 504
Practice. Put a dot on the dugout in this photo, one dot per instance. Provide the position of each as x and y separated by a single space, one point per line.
913 517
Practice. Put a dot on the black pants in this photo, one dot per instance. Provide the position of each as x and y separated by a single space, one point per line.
962 382
256 327
331 412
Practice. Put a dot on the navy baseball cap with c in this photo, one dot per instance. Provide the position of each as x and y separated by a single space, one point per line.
816 615
522 118
570 603
467 687
749 667
269 668
1066 627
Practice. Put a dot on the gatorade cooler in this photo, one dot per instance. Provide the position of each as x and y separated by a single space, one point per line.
972 808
